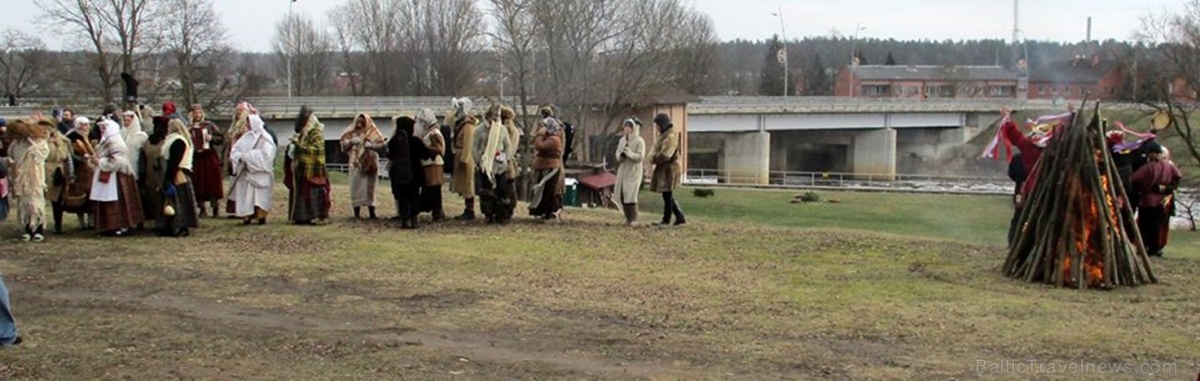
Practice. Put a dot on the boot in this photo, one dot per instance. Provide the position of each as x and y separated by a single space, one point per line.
668 201
216 208
630 213
58 216
371 212
357 213
39 234
469 211
679 219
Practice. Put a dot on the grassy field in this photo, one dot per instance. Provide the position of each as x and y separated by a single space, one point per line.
875 287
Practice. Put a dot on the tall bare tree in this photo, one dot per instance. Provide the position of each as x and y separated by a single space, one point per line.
1176 38
453 31
368 33
309 48
204 60
22 58
118 34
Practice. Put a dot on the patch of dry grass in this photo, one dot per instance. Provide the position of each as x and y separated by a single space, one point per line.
585 299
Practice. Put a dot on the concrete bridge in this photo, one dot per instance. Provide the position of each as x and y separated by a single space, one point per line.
743 137
746 138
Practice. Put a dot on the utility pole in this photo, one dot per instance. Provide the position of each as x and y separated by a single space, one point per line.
783 54
291 44
854 57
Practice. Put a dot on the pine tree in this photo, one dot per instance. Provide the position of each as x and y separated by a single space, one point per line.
772 71
891 61
816 82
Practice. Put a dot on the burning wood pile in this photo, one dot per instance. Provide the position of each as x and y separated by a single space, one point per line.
1075 230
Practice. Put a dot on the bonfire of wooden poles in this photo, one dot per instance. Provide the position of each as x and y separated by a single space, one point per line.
1074 230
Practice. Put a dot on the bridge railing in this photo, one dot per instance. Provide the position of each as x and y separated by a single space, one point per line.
851 181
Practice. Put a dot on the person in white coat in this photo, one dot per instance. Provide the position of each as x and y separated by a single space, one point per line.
253 162
631 152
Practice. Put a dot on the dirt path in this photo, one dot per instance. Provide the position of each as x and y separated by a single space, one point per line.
466 347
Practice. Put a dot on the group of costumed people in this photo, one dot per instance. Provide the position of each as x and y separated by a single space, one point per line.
1144 166
129 168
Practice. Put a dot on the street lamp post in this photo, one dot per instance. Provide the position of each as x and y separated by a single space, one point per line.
290 45
854 57
783 55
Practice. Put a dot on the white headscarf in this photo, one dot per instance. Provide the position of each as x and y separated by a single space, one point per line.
81 121
250 139
109 130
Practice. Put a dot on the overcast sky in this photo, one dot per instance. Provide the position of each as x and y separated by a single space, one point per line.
250 21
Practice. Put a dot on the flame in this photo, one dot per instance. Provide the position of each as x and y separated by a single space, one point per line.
1089 237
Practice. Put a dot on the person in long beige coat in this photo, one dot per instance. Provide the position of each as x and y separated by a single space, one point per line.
631 150
462 181
668 169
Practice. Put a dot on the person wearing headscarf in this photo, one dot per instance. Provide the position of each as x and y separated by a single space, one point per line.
430 135
116 202
152 167
60 170
405 171
1155 183
462 179
76 196
668 168
253 159
631 151
27 175
548 175
508 119
135 139
239 126
177 216
309 190
206 170
491 147
8 325
361 142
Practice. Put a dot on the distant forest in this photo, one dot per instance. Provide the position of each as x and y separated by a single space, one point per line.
740 67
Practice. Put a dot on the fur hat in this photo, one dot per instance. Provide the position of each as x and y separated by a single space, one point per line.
21 129
462 106
663 120
547 111
507 113
1153 147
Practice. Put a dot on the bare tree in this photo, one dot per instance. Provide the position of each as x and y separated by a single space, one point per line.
1176 37
368 33
514 35
198 43
308 46
452 31
22 58
117 32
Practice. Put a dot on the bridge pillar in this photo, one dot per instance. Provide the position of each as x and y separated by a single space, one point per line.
875 152
747 158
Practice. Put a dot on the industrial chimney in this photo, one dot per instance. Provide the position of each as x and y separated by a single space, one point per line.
1089 31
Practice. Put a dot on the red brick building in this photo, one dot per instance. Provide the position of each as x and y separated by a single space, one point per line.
1077 78
923 82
